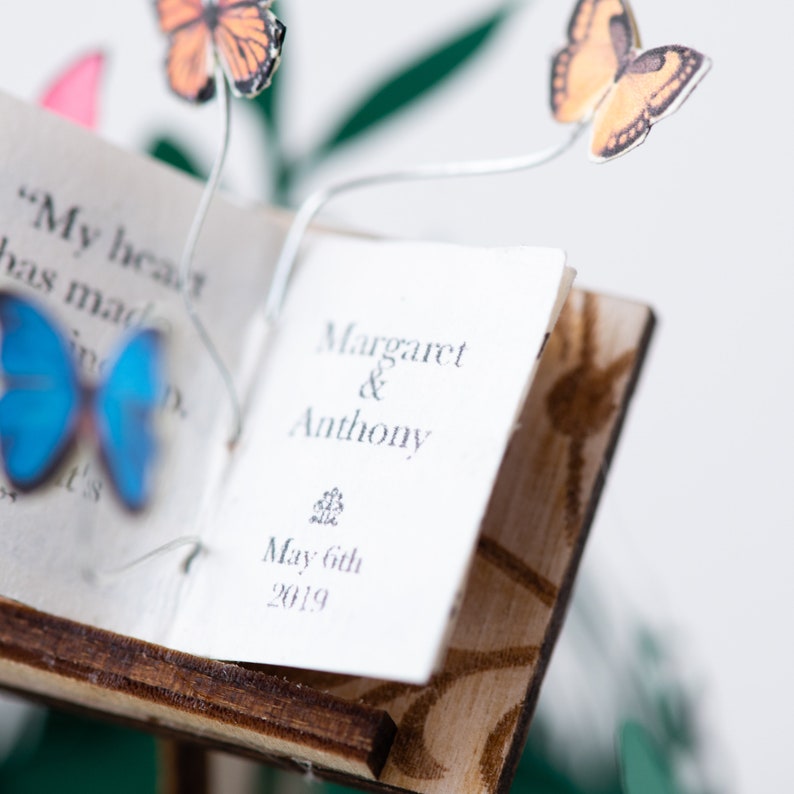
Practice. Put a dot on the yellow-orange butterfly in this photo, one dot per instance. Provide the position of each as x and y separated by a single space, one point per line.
244 36
601 74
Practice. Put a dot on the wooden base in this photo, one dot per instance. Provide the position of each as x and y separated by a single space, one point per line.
196 700
465 730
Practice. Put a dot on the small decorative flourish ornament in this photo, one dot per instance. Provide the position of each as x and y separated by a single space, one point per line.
328 508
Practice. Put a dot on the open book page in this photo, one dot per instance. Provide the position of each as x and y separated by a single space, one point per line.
337 534
96 234
385 398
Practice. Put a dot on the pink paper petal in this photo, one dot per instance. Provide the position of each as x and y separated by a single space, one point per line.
75 93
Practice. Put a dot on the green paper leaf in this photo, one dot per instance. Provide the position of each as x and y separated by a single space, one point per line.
171 152
643 768
414 80
266 103
677 719
79 756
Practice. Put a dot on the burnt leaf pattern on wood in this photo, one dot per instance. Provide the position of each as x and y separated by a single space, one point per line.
409 751
581 403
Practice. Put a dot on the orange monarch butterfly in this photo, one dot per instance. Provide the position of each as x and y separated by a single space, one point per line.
244 36
601 74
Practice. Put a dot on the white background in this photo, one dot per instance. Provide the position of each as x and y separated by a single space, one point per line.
695 527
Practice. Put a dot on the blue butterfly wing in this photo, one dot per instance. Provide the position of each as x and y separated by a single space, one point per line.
124 408
42 398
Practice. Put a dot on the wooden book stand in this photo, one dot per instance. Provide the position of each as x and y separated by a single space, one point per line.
462 732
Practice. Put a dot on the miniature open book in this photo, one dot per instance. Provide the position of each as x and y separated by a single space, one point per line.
337 535
400 499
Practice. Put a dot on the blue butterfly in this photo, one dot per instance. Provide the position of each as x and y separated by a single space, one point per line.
45 404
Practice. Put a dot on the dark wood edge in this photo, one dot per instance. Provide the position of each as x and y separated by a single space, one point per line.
225 694
205 743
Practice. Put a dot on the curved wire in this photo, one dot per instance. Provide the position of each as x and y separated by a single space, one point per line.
177 543
188 254
317 200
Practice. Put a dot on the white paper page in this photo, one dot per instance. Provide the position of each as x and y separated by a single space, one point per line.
348 515
95 233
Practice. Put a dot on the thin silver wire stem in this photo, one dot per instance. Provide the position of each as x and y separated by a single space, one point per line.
188 254
177 543
317 200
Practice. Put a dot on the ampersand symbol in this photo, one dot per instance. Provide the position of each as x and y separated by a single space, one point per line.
371 388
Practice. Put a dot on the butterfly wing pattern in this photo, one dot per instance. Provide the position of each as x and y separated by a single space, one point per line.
653 86
123 410
583 71
41 403
248 39
601 74
244 36
189 64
